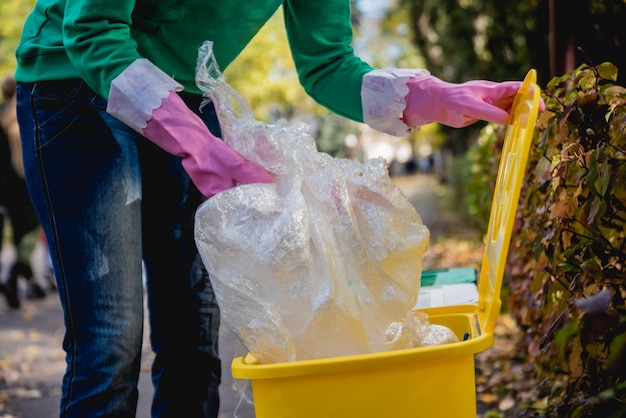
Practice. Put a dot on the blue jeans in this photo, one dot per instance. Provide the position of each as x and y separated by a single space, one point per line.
108 199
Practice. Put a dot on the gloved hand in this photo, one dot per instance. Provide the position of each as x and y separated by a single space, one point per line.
212 165
144 98
457 105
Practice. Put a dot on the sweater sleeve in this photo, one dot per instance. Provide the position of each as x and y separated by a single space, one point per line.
320 38
97 39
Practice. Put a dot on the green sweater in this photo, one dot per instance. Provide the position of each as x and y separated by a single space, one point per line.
95 40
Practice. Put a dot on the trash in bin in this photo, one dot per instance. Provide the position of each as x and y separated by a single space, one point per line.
431 381
325 262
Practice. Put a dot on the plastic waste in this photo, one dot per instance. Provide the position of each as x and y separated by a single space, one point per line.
324 262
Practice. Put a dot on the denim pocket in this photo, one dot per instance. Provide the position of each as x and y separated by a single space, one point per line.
58 90
59 106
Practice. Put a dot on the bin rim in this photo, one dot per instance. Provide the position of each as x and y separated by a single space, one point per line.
247 368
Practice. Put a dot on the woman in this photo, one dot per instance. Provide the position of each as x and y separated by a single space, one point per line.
118 157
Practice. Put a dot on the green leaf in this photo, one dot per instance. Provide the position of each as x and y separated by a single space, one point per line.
591 267
578 412
605 181
597 209
592 177
594 208
563 336
567 267
606 394
587 81
617 352
607 71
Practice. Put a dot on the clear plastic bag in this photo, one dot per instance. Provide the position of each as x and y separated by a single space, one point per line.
325 262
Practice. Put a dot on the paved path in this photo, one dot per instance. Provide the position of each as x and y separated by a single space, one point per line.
32 364
32 361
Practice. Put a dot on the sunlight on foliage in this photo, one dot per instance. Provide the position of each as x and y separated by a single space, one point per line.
265 75
569 251
566 267
12 16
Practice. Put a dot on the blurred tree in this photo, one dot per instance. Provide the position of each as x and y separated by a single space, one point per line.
332 132
462 40
587 32
265 75
468 39
12 16
382 37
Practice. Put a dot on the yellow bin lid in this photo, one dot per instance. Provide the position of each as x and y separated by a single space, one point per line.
517 140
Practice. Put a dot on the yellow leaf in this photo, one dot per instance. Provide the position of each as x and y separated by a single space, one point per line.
506 403
575 361
540 404
488 397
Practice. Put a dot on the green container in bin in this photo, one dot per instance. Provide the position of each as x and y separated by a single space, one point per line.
443 277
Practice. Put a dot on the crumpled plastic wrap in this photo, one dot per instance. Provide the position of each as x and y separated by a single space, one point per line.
325 262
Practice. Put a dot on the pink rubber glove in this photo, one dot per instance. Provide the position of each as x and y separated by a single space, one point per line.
457 105
212 165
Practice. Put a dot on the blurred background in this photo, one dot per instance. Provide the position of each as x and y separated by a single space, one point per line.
448 174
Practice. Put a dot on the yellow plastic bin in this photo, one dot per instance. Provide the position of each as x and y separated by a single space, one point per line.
421 382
